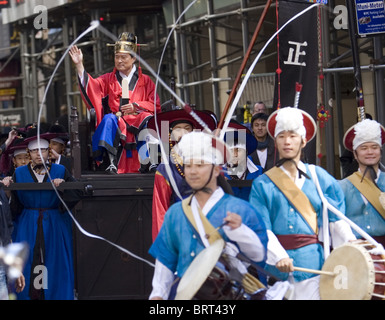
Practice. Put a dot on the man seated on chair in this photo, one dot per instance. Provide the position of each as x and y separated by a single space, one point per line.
123 100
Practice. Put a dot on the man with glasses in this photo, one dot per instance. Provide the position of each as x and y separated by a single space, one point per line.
123 100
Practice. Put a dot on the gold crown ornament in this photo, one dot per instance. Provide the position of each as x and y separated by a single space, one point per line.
126 43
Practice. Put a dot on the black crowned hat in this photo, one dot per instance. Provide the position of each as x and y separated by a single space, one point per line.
180 115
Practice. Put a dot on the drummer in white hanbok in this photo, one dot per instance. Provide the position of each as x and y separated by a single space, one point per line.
183 234
364 189
288 200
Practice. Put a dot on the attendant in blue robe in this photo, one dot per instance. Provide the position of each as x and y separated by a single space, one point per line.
242 144
294 226
178 242
363 206
45 228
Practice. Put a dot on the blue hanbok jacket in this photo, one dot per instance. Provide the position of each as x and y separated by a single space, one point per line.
282 218
178 243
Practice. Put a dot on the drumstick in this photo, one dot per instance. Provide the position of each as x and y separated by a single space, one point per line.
216 229
326 273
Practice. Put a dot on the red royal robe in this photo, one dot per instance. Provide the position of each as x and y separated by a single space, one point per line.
108 87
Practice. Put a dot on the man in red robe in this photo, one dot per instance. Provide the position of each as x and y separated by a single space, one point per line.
118 122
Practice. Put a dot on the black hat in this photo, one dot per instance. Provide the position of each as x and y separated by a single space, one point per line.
181 115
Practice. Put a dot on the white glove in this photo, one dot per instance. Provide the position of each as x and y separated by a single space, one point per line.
378 250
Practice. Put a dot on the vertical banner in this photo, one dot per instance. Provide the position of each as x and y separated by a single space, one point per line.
298 61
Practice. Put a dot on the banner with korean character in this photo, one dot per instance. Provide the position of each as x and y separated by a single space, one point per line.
298 60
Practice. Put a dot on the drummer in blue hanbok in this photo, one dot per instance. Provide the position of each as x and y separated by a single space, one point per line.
44 227
184 231
364 189
241 143
291 207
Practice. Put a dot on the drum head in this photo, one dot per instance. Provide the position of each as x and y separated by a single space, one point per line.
354 279
198 271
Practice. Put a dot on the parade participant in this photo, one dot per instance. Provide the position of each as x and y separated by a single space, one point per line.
118 125
364 189
288 200
15 155
259 107
6 229
348 162
179 241
46 229
172 126
58 138
11 135
265 155
241 143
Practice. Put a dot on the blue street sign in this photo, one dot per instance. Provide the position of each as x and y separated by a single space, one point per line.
318 1
370 17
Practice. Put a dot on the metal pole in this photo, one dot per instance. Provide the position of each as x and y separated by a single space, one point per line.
178 47
329 128
379 83
213 58
67 69
245 27
356 59
183 51
24 74
75 143
97 46
34 81
379 79
243 65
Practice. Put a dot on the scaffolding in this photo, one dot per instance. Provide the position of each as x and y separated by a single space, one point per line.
204 53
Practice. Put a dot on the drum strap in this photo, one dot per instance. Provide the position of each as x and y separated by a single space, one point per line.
209 229
249 282
368 189
294 195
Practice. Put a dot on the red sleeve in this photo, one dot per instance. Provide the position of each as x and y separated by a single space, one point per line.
93 91
160 202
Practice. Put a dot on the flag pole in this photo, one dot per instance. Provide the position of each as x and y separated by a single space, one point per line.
243 65
356 60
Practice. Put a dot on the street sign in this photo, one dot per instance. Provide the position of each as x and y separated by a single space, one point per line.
370 17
